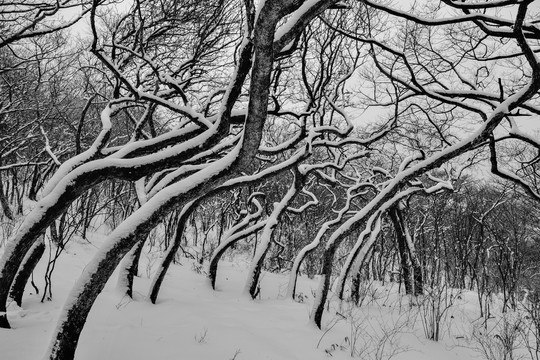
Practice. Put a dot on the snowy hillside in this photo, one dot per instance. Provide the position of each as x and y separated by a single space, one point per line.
191 321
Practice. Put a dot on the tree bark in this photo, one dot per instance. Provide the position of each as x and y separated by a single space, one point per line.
5 203
73 178
324 284
402 248
170 253
227 244
29 263
84 294
130 268
254 273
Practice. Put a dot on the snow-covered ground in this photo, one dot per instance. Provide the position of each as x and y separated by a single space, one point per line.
191 321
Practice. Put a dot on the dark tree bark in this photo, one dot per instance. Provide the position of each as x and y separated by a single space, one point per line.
131 267
68 332
5 203
402 248
416 265
170 254
252 284
13 259
138 225
233 239
24 273
324 286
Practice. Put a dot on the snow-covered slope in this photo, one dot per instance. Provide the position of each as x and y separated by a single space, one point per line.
191 321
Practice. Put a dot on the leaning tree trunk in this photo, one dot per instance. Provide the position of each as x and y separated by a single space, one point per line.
241 158
72 179
52 205
170 253
357 278
122 239
225 244
174 246
381 203
324 284
33 226
86 291
362 246
254 272
29 263
293 277
135 228
237 232
129 268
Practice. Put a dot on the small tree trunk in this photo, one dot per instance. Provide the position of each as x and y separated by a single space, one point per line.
32 192
29 263
293 277
355 286
361 248
324 284
9 266
170 253
402 248
130 268
418 278
267 234
227 243
5 203
234 234
306 250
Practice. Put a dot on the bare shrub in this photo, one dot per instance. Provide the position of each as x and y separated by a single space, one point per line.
531 325
371 337
434 306
502 340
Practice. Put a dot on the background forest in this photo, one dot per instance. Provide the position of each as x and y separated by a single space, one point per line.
355 142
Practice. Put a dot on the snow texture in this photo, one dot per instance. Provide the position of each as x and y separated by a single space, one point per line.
193 322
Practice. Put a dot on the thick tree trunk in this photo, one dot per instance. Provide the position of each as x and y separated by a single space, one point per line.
238 160
29 263
86 291
33 226
135 228
75 177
